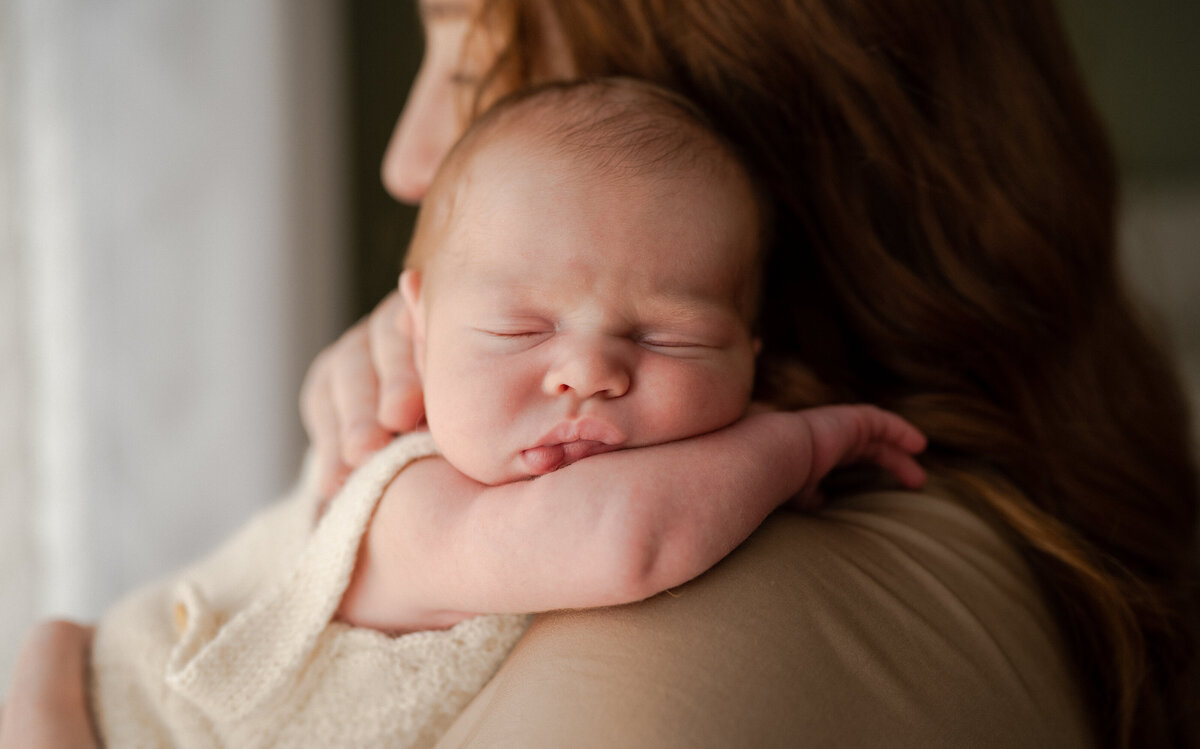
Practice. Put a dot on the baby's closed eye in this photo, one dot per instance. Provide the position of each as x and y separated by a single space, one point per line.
674 345
680 342
512 336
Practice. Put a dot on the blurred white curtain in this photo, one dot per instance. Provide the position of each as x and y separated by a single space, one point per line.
170 260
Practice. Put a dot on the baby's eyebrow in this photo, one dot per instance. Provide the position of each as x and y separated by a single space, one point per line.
684 309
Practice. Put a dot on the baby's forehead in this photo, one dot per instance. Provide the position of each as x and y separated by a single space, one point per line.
607 135
614 126
532 219
510 159
516 174
599 139
651 149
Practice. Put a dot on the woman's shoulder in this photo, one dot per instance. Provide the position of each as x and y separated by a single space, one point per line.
892 618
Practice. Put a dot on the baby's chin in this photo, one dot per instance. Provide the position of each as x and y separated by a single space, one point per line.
494 474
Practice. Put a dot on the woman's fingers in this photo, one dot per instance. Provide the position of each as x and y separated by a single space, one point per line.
319 415
362 391
47 702
401 404
356 397
331 470
53 649
337 406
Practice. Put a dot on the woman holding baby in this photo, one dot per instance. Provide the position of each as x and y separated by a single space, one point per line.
942 246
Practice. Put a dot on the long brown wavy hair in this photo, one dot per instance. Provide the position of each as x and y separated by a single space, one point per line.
945 248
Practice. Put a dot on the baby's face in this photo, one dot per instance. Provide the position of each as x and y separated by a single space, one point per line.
564 315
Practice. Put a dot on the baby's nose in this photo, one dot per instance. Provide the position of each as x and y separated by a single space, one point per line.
589 372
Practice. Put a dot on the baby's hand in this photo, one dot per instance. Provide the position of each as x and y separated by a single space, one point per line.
846 434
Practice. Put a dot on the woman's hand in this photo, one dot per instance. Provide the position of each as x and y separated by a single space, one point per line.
360 392
47 704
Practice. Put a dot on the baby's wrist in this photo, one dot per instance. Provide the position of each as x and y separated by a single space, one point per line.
784 440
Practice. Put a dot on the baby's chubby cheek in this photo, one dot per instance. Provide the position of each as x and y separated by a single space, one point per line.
476 458
701 403
458 416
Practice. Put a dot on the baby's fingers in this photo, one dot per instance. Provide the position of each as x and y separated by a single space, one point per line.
320 419
887 427
890 442
898 462
847 434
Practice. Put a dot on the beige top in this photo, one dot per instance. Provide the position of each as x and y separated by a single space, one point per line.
238 650
889 620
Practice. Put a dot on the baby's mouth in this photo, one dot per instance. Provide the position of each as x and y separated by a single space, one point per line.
571 441
546 458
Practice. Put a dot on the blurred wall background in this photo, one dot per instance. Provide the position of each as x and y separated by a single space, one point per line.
172 255
1143 64
384 37
190 208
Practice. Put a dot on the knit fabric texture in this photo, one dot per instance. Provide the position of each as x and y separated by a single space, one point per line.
239 650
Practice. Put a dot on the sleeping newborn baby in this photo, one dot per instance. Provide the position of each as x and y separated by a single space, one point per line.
582 284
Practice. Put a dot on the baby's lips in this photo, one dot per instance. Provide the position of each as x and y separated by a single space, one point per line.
544 458
584 429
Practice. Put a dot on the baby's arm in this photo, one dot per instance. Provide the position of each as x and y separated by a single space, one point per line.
610 529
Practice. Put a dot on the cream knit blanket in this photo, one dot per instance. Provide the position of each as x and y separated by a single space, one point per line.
239 651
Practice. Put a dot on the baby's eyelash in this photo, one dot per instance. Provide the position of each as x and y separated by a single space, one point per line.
667 344
512 333
672 343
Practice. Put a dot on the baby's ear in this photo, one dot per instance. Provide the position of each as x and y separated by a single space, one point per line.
757 344
410 291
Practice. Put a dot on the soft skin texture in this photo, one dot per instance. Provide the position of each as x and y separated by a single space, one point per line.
566 312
